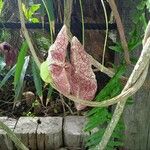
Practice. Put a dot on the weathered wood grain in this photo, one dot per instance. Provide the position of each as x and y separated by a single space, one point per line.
137 115
49 133
26 130
5 142
73 132
45 133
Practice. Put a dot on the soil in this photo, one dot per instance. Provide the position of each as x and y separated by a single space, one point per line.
30 104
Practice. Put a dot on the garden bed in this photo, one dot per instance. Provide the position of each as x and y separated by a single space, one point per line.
45 133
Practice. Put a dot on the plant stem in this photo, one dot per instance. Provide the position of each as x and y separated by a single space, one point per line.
26 34
120 30
67 15
106 36
82 17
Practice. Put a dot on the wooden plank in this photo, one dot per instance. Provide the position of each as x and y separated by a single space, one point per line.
49 133
73 132
5 142
26 130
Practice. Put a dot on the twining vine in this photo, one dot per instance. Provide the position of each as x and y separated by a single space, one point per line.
134 82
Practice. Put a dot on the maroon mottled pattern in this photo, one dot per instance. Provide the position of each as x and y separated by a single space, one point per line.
9 53
58 54
56 59
76 78
84 84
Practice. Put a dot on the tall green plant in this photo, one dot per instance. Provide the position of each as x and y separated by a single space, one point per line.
98 118
48 4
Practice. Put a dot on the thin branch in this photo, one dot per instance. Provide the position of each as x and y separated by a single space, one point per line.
67 14
106 36
82 17
120 30
26 34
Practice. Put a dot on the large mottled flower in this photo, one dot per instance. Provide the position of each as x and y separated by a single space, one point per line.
9 53
75 77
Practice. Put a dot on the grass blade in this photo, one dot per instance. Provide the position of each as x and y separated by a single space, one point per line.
48 4
19 86
37 79
20 62
12 136
8 75
49 95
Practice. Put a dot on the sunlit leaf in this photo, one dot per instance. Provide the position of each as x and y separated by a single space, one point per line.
8 75
1 5
24 9
34 20
20 62
19 86
34 8
45 73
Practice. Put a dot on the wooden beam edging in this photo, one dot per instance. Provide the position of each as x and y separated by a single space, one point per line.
45 133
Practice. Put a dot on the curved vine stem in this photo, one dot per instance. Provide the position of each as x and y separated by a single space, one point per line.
26 34
120 30
139 73
82 17
67 15
106 36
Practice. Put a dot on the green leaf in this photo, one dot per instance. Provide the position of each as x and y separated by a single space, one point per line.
48 4
2 63
33 9
141 5
8 75
20 62
30 12
115 48
98 118
49 95
25 11
19 86
34 20
148 5
1 6
49 8
37 79
45 73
